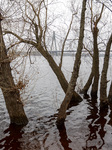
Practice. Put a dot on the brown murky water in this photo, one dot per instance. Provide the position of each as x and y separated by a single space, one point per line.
87 127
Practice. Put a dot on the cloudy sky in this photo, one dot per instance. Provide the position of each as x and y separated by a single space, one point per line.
61 12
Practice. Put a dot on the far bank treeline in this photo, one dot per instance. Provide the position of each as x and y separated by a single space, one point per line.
30 23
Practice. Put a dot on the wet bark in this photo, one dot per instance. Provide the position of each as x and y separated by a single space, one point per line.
103 83
95 64
75 73
10 92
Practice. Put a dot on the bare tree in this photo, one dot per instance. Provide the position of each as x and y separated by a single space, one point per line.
75 73
107 4
9 89
94 75
63 45
36 37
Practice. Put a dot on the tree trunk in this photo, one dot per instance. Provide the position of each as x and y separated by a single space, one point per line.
43 50
88 83
103 83
110 93
72 83
95 64
59 74
10 92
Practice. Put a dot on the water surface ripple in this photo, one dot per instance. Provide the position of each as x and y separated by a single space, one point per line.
87 126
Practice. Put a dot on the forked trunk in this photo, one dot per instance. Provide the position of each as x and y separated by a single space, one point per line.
10 92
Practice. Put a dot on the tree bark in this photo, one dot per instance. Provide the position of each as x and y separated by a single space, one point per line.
95 64
56 69
40 45
59 74
110 94
88 83
103 83
72 83
10 92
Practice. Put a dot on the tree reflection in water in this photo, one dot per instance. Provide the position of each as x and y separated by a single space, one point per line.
65 141
12 140
95 140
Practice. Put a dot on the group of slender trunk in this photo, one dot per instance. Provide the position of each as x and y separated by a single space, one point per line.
95 75
11 92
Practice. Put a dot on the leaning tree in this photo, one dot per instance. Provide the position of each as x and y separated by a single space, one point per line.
34 31
75 73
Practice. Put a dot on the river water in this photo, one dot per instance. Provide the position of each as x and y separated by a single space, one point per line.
87 127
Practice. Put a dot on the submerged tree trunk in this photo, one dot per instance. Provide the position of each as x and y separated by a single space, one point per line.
103 83
72 83
95 64
10 92
95 68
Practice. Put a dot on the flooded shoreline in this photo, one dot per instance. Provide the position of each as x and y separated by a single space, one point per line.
87 126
